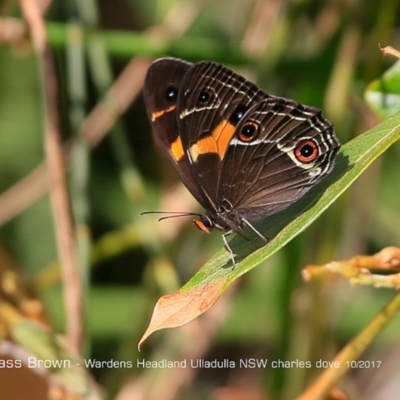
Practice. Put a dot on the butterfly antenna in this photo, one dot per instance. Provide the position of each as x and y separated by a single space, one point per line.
172 214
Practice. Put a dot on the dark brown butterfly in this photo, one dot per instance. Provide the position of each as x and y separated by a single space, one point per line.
242 153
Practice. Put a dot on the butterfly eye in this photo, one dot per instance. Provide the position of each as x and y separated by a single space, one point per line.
204 96
249 131
171 94
306 151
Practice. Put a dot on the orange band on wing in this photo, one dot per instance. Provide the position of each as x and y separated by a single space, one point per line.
206 145
223 134
177 149
158 114
217 142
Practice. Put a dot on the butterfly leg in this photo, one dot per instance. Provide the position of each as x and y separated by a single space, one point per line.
232 254
256 231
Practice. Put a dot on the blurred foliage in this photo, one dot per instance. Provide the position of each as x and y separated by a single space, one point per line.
383 94
323 54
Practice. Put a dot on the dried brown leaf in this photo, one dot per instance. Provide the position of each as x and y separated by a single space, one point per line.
182 307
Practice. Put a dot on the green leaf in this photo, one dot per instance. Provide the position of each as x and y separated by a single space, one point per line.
383 94
207 285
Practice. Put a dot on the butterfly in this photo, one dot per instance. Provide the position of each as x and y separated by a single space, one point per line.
242 153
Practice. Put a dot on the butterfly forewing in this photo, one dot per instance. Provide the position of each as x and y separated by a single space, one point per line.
212 101
161 90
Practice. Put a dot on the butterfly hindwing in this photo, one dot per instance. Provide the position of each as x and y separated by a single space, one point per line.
264 169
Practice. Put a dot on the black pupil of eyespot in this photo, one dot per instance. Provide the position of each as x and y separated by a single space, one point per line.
248 131
204 97
306 150
237 114
171 94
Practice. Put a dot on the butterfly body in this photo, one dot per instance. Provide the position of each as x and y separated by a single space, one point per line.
242 153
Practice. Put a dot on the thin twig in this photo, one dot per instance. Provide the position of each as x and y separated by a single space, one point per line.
23 194
342 363
59 194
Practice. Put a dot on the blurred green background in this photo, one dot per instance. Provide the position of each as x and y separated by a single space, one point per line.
321 53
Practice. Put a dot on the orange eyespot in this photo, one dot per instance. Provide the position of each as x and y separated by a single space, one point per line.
249 131
306 151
